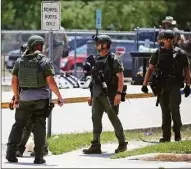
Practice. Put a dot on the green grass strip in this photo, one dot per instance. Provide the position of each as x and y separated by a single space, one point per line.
182 147
63 143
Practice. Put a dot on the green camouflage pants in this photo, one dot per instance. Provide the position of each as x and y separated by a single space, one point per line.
26 110
170 101
99 106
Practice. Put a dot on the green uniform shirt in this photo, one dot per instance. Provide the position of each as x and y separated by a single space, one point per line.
45 64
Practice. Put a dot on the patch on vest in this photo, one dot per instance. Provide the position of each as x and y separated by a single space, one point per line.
28 64
28 74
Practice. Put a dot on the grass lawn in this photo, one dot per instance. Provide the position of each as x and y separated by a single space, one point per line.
182 147
59 144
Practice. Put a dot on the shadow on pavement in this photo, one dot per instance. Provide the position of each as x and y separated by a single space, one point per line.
29 164
103 155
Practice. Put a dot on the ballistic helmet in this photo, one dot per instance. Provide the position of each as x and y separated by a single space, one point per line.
34 40
102 39
166 34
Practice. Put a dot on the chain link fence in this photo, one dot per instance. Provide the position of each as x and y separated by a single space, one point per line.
70 48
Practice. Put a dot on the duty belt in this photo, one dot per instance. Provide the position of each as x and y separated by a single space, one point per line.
33 88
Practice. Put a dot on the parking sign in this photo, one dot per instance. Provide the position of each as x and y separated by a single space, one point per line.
50 15
98 19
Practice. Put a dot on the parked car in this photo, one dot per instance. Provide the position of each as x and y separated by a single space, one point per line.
68 64
80 41
11 58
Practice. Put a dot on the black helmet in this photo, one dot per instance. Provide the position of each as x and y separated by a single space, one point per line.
34 40
102 39
166 34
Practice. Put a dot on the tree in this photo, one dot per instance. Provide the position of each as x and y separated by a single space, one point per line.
126 14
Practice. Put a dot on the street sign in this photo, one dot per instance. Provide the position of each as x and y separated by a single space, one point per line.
120 51
98 19
50 15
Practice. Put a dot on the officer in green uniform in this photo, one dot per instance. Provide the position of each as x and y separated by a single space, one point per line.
33 73
169 63
170 23
28 128
112 69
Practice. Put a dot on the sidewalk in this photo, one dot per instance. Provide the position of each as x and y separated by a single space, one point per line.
76 159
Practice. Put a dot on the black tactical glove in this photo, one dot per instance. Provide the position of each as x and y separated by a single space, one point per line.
12 103
187 90
144 89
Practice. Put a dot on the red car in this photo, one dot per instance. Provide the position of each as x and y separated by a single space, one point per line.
67 64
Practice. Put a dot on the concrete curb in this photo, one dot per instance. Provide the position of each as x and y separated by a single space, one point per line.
5 105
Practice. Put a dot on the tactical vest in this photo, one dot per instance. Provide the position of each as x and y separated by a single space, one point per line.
171 63
30 73
106 65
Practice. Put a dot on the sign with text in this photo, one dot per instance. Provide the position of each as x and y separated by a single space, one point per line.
50 15
98 19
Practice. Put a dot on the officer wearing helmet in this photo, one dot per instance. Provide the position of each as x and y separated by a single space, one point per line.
113 76
168 65
33 73
29 126
170 23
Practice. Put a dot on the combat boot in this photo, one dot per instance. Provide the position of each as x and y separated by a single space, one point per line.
164 139
39 160
11 158
45 152
95 148
177 136
122 147
11 153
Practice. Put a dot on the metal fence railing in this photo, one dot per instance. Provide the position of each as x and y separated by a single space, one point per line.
79 47
76 44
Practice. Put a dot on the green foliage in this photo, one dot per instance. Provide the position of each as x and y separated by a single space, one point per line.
76 14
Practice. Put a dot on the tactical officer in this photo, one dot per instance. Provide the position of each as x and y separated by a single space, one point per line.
112 69
170 23
168 64
33 74
29 126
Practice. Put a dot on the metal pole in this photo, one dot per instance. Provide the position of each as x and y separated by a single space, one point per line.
50 55
20 40
97 33
137 33
154 36
75 46
3 68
